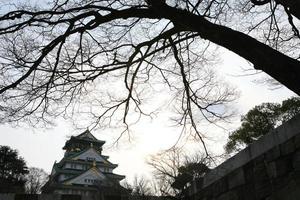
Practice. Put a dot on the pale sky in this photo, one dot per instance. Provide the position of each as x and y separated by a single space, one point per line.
40 148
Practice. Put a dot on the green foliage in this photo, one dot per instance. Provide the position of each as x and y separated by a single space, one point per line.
12 170
260 120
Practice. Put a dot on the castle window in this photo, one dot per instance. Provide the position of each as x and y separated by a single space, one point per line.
90 158
85 167
87 180
73 166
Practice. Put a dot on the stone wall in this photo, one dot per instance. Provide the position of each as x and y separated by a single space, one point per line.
268 169
70 197
42 197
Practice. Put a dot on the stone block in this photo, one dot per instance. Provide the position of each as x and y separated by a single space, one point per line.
287 147
259 170
247 192
220 186
297 141
271 169
284 165
70 197
280 134
263 189
296 160
280 182
262 145
259 160
208 193
236 178
290 191
227 167
49 197
272 154
7 196
292 126
90 198
295 176
26 197
198 182
261 181
231 195
289 129
248 172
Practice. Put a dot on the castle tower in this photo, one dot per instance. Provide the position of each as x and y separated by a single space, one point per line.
84 170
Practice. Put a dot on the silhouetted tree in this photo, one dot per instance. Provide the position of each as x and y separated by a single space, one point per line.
53 55
174 169
141 188
35 180
12 171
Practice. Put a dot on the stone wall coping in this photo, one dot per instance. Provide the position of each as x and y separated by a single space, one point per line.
276 137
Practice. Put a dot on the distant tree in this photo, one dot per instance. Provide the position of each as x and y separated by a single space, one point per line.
141 187
12 171
173 169
35 179
260 120
188 173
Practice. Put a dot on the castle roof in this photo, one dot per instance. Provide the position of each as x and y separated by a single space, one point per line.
93 173
86 138
87 135
79 157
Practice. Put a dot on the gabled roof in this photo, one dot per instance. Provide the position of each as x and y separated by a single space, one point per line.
86 135
114 176
92 151
92 173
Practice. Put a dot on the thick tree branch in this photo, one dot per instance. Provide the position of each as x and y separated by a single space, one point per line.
284 69
293 6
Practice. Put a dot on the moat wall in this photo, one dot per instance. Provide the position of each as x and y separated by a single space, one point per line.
72 197
268 169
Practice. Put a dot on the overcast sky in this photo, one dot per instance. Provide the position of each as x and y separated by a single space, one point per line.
41 148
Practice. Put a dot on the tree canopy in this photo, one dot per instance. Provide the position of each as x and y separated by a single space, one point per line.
260 120
69 56
12 171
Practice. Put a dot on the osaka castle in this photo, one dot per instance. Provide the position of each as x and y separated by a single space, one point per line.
84 170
